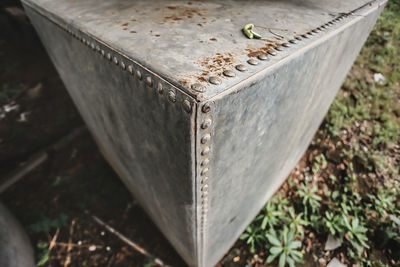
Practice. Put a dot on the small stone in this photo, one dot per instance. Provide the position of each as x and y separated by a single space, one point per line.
236 259
335 263
92 248
79 242
322 262
102 233
108 248
332 243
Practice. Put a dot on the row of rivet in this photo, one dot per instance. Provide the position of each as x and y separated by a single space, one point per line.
204 163
265 56
186 103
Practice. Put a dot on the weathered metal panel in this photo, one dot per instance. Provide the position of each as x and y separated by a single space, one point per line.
262 127
202 131
146 136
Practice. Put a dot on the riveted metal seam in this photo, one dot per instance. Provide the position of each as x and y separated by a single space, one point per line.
313 41
280 47
77 32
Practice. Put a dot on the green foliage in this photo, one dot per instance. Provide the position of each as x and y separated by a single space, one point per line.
46 224
296 222
44 253
270 216
309 198
253 236
356 234
334 224
284 247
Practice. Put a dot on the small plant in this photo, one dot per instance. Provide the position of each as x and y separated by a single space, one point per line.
253 235
382 202
334 224
309 198
284 247
356 234
44 253
270 216
296 222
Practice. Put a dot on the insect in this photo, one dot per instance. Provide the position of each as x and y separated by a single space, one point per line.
248 31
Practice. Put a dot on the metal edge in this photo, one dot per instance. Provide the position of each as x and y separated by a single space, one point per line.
119 58
196 90
249 81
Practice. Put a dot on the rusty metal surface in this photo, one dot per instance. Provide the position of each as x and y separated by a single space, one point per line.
202 152
203 38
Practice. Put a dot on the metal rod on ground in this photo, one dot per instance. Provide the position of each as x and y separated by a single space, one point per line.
128 241
37 160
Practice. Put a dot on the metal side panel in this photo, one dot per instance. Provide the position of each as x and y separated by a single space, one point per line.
143 124
257 131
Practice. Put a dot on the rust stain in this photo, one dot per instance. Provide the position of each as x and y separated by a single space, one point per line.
254 52
179 13
213 39
125 24
133 31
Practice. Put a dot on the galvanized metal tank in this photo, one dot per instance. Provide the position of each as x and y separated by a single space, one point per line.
202 123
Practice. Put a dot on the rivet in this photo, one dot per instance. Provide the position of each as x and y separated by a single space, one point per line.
241 67
83 40
277 48
304 36
160 88
204 201
102 53
205 162
204 211
109 56
206 108
229 73
293 41
93 46
297 38
252 61
204 180
206 123
315 31
215 80
187 106
98 48
262 57
205 138
171 96
139 74
205 151
204 194
272 53
310 33
198 87
115 60
130 69
123 65
286 45
149 81
204 188
319 28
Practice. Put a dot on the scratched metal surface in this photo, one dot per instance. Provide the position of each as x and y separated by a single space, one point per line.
261 132
189 41
136 129
259 122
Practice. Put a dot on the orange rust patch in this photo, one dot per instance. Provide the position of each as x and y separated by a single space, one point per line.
215 65
213 39
125 24
182 12
254 52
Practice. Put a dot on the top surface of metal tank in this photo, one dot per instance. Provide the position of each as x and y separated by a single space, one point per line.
203 38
